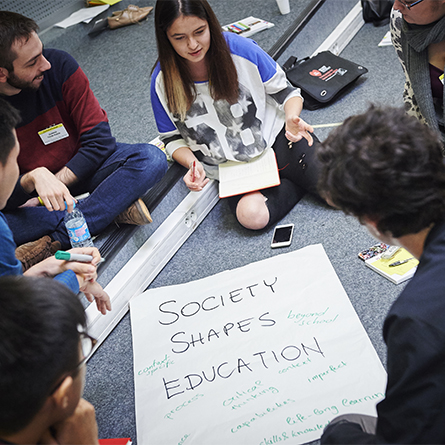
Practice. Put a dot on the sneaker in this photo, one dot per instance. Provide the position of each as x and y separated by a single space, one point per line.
137 214
33 252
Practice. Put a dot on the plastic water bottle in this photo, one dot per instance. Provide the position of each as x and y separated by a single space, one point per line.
77 229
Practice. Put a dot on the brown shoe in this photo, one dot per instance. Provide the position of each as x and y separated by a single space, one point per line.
137 214
35 251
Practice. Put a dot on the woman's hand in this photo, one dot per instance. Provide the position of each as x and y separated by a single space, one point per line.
297 129
195 179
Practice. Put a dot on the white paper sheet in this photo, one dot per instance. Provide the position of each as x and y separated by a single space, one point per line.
265 353
82 15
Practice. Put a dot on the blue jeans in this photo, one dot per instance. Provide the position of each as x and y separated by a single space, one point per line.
123 178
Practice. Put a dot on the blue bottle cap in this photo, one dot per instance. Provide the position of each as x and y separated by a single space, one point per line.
66 205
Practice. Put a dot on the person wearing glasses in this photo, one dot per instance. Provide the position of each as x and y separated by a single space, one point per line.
43 350
418 36
385 168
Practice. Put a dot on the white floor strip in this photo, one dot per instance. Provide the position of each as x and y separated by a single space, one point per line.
151 258
344 32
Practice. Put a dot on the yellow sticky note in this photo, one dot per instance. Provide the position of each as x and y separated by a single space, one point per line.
104 2
401 255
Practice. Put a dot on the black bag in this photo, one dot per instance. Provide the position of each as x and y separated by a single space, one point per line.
377 11
322 78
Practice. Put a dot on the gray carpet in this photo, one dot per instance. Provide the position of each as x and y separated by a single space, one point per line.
118 64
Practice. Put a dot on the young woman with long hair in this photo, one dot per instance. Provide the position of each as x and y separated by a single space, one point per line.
219 97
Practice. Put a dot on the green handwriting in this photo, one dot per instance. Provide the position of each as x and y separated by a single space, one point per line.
289 435
182 406
311 318
183 439
330 371
243 397
300 418
156 366
351 402
295 366
259 415
332 410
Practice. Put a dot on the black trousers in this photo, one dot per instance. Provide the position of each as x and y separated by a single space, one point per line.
298 167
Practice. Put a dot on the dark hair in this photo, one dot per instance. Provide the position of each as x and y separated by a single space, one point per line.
386 166
13 27
39 343
9 118
179 86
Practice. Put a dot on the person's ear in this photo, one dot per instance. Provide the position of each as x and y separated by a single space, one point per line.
369 222
4 73
62 395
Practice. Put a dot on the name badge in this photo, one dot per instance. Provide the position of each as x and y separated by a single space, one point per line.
53 134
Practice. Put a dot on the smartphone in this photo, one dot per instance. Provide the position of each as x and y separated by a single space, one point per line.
282 235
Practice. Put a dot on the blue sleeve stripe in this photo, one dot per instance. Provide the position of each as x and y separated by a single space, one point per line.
163 121
69 279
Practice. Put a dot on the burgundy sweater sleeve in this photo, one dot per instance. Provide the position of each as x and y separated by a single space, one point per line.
95 141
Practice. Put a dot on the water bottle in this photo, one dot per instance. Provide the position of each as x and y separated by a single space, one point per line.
77 229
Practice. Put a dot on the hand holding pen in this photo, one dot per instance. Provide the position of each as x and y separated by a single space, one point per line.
195 179
77 260
82 258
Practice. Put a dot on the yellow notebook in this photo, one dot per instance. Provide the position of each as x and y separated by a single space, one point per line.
397 273
103 2
237 178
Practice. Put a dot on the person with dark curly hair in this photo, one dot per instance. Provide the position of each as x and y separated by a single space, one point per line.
385 168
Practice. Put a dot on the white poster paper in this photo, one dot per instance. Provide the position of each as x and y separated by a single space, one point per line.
266 353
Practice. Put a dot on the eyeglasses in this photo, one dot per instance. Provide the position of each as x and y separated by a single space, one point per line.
87 344
408 6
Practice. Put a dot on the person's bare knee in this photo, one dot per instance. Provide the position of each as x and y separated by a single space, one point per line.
252 211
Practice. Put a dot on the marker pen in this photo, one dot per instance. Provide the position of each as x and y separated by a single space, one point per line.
398 263
67 256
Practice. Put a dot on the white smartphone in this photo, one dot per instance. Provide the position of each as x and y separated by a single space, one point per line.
282 235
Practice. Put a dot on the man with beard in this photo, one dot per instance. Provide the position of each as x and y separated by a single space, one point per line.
66 147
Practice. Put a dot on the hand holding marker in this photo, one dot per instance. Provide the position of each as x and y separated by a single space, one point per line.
67 256
193 171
